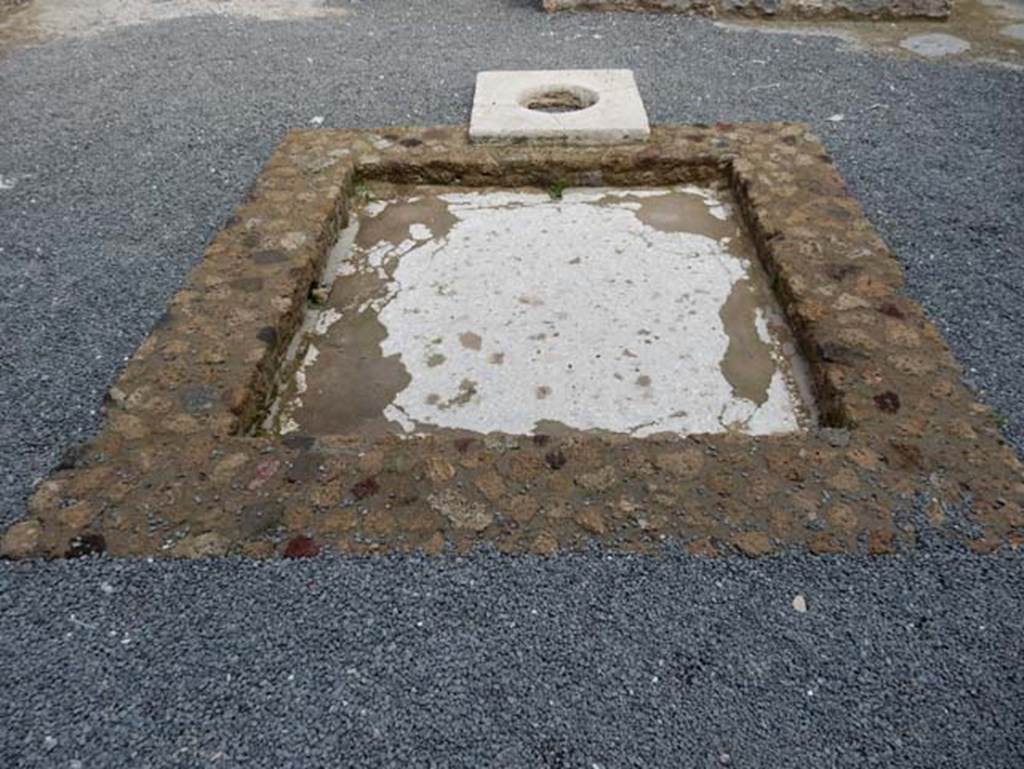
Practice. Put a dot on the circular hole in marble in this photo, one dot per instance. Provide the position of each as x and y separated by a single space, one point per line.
559 98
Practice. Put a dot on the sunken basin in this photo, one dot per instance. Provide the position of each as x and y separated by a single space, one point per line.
544 312
404 341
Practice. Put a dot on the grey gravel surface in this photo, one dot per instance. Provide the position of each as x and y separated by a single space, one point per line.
582 661
126 153
129 150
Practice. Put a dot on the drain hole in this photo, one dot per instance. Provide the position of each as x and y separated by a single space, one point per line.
560 99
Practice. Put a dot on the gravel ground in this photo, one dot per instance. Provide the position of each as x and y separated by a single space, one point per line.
121 155
583 661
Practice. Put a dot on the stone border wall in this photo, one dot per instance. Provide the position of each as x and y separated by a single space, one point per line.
887 10
903 451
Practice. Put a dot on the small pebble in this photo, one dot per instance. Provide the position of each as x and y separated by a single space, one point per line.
1014 30
800 603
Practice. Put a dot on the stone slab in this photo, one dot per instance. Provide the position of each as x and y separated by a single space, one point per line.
612 111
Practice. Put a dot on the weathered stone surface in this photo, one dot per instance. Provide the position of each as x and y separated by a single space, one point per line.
599 480
783 9
592 521
490 485
439 470
686 463
753 543
207 545
544 544
21 540
462 513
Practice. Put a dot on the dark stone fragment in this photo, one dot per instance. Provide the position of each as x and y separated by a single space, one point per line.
267 335
299 441
248 285
907 456
197 398
71 456
86 544
837 212
837 353
822 186
365 488
541 440
836 437
462 444
411 141
305 468
301 547
269 257
555 459
840 272
888 402
892 311
260 517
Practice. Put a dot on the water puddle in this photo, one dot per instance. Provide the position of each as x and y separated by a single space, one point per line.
631 311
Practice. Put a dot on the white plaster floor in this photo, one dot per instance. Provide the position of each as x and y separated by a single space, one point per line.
634 311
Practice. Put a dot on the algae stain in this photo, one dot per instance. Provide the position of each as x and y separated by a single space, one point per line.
748 365
356 381
467 391
471 341
675 211
397 222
